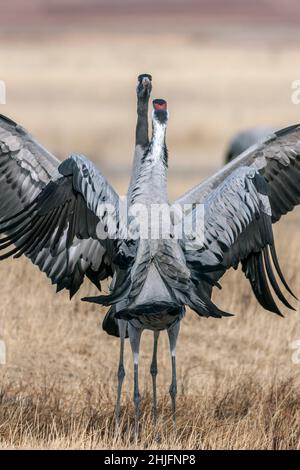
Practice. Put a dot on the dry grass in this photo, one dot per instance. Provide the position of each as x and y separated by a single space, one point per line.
241 415
238 387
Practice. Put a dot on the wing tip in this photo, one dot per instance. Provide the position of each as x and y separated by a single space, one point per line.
286 130
93 300
8 120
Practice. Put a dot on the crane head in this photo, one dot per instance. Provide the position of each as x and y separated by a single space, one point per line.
144 86
160 111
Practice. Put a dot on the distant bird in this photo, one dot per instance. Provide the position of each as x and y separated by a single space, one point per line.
245 139
69 221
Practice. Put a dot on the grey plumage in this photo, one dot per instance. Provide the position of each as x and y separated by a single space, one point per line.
25 167
277 159
58 229
143 92
58 214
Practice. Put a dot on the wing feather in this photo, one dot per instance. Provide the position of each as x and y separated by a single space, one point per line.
25 167
277 159
238 229
58 229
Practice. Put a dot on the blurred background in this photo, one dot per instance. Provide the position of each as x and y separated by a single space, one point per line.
70 68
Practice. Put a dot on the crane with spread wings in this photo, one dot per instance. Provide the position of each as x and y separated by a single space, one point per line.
65 217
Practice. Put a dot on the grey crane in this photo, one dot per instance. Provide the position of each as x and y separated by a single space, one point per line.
244 139
67 219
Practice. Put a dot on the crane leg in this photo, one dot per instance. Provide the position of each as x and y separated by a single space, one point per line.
135 336
153 372
173 332
121 371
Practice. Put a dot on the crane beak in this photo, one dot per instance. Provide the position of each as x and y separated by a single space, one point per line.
146 82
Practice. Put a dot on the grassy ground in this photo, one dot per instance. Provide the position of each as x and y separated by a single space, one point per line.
238 387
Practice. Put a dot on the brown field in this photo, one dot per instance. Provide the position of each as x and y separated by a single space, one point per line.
237 385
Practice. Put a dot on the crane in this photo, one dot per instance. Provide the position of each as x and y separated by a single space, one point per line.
70 222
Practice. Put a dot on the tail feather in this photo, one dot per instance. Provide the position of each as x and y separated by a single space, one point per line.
204 306
110 324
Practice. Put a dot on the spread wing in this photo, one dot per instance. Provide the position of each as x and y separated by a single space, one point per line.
277 159
238 228
67 229
25 167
